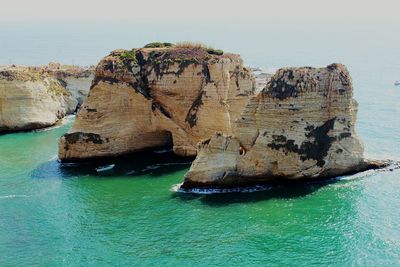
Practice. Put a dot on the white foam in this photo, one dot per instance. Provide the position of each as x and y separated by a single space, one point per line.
13 196
68 164
54 157
63 121
208 191
162 151
174 163
131 172
150 167
392 167
395 166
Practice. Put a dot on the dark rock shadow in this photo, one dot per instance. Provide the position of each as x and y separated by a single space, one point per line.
147 163
288 189
276 192
273 191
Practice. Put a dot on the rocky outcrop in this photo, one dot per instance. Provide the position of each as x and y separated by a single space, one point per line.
31 100
77 80
300 126
148 98
35 97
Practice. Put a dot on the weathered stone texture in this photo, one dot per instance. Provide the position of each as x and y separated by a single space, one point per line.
159 97
301 125
31 100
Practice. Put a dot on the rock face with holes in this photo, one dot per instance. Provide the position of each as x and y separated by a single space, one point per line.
31 100
301 125
151 98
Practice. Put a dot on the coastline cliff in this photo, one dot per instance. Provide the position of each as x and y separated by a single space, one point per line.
300 126
158 97
31 100
37 97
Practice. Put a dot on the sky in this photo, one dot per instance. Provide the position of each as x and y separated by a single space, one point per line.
264 32
131 10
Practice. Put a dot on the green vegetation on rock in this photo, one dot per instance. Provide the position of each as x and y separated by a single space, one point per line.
129 56
213 51
210 50
158 45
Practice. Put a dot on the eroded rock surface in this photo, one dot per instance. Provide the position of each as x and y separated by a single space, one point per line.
301 125
77 80
31 100
156 98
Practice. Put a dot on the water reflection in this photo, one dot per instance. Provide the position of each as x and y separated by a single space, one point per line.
149 163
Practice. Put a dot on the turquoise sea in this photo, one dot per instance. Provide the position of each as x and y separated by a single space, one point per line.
65 215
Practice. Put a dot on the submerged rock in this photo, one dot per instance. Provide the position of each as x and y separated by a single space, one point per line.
31 100
300 126
162 96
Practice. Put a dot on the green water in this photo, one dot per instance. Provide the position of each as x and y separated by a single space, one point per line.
50 215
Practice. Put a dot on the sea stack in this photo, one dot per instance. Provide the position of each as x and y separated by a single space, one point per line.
300 126
159 96
31 99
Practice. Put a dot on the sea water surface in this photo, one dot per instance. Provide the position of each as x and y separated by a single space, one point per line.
54 214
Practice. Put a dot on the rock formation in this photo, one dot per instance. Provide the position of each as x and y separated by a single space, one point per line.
31 100
77 80
301 125
158 97
35 97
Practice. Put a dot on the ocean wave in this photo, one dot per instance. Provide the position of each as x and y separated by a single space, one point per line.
174 163
150 167
162 151
13 196
395 166
392 167
63 121
53 157
208 191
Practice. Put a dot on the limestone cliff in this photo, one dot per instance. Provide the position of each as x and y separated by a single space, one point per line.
77 80
31 100
301 125
151 98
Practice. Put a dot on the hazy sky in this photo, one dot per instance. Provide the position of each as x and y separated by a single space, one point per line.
102 10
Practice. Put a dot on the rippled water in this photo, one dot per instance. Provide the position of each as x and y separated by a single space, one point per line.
52 214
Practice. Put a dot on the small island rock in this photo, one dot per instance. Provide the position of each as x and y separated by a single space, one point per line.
300 126
158 97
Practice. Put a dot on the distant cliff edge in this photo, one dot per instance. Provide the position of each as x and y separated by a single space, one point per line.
37 97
